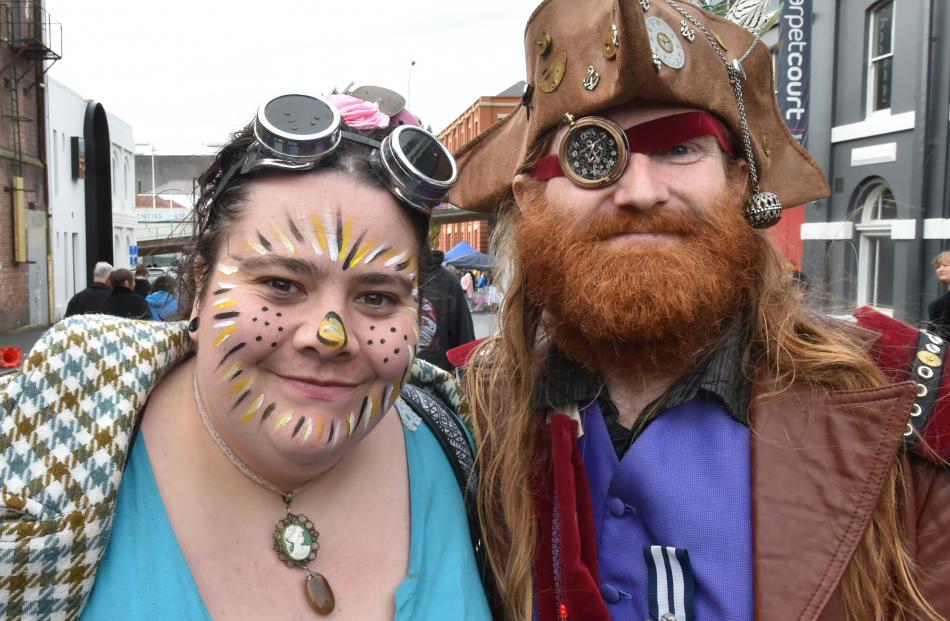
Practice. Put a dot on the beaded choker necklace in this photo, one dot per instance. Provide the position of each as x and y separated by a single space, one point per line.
295 537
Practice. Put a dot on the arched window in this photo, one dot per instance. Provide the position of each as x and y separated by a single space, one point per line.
876 249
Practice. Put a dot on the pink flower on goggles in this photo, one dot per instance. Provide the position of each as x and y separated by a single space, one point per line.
654 136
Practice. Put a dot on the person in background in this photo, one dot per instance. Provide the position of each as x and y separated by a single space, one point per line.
161 301
123 302
483 280
939 309
468 286
142 287
445 319
90 299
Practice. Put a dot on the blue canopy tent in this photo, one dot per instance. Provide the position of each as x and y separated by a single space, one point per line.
473 261
460 250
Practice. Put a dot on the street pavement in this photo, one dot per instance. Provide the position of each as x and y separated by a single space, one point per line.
486 324
24 339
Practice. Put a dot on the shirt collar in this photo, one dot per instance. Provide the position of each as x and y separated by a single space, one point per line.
719 375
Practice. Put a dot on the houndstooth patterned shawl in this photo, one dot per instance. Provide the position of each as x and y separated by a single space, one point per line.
65 423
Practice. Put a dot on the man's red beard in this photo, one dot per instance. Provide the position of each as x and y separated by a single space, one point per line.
651 306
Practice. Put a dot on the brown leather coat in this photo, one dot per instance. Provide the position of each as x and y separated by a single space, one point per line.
819 461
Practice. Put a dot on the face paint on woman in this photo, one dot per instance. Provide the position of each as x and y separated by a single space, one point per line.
313 320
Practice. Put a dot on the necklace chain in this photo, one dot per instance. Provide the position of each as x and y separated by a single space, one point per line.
287 495
736 76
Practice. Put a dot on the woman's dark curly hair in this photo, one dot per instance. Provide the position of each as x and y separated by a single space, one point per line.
214 222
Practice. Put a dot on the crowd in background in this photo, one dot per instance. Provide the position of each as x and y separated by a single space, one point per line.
125 293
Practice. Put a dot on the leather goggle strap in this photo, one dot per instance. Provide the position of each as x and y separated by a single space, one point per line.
654 136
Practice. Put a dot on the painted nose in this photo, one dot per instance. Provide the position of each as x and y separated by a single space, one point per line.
331 332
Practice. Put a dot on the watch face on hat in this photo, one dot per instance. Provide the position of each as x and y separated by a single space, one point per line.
666 45
593 152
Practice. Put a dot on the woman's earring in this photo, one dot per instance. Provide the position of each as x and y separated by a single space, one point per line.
193 325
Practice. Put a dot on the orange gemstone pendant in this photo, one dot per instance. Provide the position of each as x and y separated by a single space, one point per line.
319 594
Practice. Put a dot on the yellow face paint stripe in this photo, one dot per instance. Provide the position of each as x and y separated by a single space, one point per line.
256 247
225 303
284 240
223 335
361 254
234 368
285 418
350 422
320 233
249 413
240 387
318 432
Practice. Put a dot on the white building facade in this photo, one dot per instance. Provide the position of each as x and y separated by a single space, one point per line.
87 145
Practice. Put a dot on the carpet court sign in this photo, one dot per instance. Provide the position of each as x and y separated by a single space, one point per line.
793 68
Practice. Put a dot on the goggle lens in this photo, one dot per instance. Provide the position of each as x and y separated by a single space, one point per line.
299 115
426 154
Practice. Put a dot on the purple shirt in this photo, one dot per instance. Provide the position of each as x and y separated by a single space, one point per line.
685 484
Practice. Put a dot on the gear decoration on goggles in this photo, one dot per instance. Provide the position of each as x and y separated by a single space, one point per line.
295 132
595 150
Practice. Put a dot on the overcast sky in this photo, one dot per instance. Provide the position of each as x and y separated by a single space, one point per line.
185 73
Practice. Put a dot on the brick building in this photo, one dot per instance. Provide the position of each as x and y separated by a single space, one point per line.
457 225
29 38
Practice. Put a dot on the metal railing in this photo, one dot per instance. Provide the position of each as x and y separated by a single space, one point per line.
30 30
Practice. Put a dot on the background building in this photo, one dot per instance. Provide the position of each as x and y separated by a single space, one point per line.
167 191
456 225
91 193
880 74
29 38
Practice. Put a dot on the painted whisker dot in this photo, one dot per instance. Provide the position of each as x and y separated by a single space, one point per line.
372 327
392 329
396 351
264 308
405 338
369 342
383 341
280 329
385 359
273 344
266 323
258 338
253 318
280 314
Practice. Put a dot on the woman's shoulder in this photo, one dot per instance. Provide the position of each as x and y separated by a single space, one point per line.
438 382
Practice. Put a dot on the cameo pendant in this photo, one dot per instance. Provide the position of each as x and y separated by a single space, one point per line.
296 545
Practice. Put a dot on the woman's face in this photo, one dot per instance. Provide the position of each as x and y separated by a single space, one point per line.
308 318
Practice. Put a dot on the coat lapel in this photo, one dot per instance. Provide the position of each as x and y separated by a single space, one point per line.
818 464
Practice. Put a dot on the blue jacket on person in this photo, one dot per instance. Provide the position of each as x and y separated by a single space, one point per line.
162 304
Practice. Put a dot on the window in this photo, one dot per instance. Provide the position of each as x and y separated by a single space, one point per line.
876 249
880 57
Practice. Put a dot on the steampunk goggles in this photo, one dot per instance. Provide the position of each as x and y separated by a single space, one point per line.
295 132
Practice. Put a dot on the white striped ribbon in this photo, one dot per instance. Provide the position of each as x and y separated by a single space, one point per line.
671 584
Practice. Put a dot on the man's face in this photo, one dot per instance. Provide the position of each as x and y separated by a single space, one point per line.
656 261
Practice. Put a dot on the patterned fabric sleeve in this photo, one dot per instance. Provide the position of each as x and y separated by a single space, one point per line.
65 420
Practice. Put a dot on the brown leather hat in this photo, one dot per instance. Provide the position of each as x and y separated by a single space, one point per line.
592 55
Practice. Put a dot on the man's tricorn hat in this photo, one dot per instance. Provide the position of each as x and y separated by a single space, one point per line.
585 57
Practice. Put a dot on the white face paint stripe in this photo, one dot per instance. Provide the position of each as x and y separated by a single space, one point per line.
396 260
374 253
227 270
226 285
351 424
367 411
307 429
223 324
330 228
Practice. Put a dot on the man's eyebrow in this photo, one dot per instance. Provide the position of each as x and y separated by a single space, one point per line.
293 264
383 279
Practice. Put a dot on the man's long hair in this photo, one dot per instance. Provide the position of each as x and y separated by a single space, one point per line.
797 347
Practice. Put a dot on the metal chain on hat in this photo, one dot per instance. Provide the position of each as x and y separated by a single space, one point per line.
736 76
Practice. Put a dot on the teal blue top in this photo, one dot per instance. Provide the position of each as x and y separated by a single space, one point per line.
144 576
